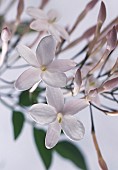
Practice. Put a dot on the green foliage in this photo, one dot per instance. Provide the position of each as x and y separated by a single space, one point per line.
71 152
18 122
28 99
46 155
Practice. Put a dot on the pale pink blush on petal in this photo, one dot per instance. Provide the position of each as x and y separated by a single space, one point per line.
28 55
54 32
54 79
45 51
63 33
55 98
73 106
73 128
62 65
27 79
39 25
52 135
36 13
53 15
43 113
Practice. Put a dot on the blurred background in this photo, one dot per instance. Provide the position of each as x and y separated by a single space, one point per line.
22 153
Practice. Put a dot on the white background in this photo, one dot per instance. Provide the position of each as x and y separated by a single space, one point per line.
22 154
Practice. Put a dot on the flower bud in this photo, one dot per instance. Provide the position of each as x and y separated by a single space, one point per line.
5 34
102 13
112 39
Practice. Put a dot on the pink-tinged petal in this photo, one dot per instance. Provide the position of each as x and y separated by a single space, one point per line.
73 106
73 128
93 96
46 50
39 25
62 65
43 113
27 79
55 79
53 15
55 98
54 32
36 13
110 84
52 135
63 33
91 84
112 39
28 55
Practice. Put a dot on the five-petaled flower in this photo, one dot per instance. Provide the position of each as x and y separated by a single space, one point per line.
47 22
59 115
44 67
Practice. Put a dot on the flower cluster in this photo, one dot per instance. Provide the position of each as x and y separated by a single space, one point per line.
69 85
51 70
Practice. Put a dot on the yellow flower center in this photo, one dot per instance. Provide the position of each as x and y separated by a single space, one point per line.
92 83
52 21
43 68
59 117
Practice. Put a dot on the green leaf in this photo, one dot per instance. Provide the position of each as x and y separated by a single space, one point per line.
28 99
70 151
18 122
46 155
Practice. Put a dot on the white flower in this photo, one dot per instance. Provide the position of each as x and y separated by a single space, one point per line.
59 115
43 66
47 22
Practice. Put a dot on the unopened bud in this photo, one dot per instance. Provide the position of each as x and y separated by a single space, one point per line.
112 39
5 34
111 84
102 13
91 4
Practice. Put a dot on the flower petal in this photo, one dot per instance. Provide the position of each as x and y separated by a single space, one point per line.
74 106
55 79
53 15
43 113
54 32
62 65
55 98
63 33
36 13
46 50
73 128
52 135
27 79
39 25
28 55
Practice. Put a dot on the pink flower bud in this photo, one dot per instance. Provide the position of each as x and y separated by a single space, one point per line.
112 39
102 13
5 34
91 4
110 84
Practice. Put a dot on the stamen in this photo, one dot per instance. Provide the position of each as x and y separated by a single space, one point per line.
59 117
43 68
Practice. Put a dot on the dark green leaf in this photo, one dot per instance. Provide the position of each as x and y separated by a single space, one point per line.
71 152
18 122
46 155
28 99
